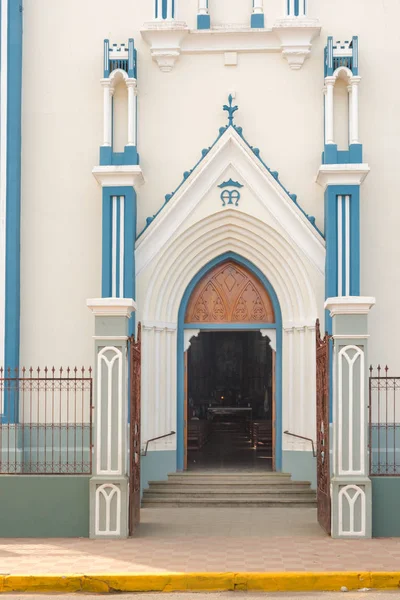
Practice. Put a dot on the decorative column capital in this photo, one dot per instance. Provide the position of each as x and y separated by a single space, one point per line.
349 305
355 80
165 39
131 83
342 174
111 307
119 175
296 35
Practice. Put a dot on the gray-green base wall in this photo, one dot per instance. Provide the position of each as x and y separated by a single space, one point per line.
156 465
302 466
44 506
385 506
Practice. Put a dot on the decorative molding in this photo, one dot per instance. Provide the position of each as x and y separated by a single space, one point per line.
103 500
118 175
230 182
105 433
271 335
168 39
345 441
284 208
159 325
204 162
111 307
359 496
296 35
349 305
165 39
229 294
350 174
188 334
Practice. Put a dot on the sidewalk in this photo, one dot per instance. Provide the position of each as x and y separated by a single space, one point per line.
205 540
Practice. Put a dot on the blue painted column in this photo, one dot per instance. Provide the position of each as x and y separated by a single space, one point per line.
203 16
12 97
10 195
118 244
342 232
257 17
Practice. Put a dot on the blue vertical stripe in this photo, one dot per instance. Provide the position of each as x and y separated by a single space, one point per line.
342 199
129 245
117 246
106 243
13 201
13 197
355 242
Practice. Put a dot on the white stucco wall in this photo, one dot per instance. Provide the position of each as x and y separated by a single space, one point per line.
179 114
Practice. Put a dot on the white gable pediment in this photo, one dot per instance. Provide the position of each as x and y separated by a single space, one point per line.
261 196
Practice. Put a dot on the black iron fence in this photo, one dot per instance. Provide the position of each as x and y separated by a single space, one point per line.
384 423
46 421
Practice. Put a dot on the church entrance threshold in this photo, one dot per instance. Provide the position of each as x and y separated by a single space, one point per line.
230 401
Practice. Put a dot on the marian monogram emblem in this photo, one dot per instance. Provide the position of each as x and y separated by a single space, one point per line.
230 196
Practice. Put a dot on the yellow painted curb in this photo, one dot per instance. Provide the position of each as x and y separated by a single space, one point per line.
209 582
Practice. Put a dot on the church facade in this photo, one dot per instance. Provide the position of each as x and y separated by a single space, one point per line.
173 171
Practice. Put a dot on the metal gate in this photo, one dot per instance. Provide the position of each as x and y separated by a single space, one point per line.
323 467
134 447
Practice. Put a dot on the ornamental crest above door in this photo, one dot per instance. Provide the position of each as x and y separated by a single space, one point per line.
229 293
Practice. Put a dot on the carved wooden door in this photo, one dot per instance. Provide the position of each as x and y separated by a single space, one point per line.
323 464
229 293
134 446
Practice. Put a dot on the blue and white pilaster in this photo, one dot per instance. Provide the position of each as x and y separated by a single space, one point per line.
341 175
119 64
257 17
296 31
164 9
10 184
203 15
296 8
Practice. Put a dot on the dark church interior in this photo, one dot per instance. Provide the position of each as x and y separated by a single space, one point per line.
230 401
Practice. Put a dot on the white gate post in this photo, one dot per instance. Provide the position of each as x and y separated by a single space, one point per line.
109 483
350 484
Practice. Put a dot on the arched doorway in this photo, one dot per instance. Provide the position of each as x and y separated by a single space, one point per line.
229 368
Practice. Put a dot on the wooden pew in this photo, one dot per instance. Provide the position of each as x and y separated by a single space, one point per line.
198 433
261 433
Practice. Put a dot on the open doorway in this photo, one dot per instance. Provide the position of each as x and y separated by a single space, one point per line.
230 401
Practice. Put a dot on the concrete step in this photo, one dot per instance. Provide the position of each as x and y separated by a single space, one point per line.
240 484
229 497
228 479
232 490
227 474
232 503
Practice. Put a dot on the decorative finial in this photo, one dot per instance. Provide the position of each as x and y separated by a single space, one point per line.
230 109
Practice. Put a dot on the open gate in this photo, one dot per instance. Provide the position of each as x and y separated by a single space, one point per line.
323 466
134 446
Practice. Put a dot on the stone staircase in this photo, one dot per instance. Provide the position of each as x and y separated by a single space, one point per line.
229 489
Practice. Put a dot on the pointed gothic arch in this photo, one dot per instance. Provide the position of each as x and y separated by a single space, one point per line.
229 293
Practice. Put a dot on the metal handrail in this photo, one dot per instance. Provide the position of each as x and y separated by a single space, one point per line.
160 437
301 437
